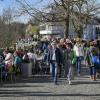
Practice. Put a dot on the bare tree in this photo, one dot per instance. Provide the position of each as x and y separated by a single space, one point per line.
83 12
53 16
9 30
77 11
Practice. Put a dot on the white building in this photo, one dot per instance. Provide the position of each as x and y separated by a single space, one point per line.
58 29
52 28
92 31
55 28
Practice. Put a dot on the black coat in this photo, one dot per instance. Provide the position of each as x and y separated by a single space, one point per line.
57 54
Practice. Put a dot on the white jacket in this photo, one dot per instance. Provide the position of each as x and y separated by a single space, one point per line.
79 50
9 59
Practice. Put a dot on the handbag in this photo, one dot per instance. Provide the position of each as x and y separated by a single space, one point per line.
96 59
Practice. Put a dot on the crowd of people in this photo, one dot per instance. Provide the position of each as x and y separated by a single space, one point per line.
64 57
70 55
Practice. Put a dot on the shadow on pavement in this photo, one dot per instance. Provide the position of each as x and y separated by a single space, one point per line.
19 86
12 93
86 82
29 80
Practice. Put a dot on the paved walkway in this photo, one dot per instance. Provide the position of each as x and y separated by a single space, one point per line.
38 88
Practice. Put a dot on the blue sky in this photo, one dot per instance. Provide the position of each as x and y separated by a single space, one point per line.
12 3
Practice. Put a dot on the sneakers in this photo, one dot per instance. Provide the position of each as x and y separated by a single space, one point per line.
91 77
70 82
78 75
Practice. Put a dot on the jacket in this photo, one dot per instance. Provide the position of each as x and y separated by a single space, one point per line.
88 57
57 55
72 57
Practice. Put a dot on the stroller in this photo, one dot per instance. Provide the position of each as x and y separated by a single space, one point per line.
44 67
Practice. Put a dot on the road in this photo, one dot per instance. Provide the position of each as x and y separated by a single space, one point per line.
42 88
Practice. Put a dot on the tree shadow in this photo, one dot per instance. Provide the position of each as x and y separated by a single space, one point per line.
19 86
86 82
36 79
19 93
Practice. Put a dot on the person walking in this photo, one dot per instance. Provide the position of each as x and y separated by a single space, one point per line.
91 52
53 58
71 60
79 51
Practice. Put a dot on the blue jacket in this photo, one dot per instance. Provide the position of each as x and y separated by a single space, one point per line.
17 60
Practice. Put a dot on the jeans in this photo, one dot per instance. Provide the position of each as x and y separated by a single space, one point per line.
54 71
50 68
92 70
59 70
78 63
70 73
65 69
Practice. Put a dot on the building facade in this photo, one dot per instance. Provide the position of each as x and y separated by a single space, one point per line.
55 28
90 32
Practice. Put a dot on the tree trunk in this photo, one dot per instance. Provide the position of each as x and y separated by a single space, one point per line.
80 32
67 21
66 33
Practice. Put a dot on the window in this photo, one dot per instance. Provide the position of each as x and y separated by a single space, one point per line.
56 27
97 30
43 27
